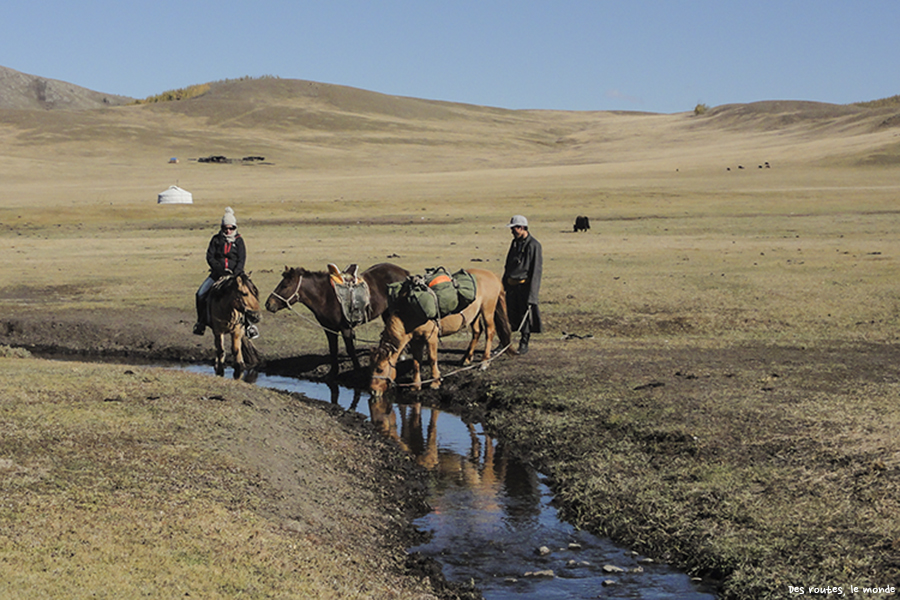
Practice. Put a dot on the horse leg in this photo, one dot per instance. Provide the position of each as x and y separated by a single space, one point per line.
349 336
333 351
237 354
417 373
490 328
476 335
433 357
219 339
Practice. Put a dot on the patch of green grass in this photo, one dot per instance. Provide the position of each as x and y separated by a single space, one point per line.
752 476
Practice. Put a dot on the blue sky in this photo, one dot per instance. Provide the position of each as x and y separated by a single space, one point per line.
659 56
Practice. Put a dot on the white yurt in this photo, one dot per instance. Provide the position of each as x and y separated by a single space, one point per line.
175 195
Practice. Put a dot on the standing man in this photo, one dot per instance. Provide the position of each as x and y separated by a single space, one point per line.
522 281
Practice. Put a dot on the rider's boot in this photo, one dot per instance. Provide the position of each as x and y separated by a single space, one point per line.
200 325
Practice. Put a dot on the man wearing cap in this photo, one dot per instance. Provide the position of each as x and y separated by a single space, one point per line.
225 255
522 281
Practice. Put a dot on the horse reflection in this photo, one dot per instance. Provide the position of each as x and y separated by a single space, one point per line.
487 469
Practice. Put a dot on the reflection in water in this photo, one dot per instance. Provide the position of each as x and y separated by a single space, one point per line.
492 512
491 515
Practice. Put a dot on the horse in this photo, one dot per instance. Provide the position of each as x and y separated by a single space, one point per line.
314 289
234 300
486 314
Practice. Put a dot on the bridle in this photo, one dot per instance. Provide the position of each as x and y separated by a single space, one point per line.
296 294
391 349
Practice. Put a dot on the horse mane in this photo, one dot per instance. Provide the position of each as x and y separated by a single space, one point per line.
391 336
229 284
223 285
302 272
245 277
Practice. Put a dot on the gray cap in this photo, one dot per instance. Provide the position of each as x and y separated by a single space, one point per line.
518 221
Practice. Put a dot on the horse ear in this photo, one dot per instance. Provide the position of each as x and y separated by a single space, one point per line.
286 270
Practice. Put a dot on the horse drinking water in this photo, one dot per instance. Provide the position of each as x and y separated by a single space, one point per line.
486 313
316 291
233 301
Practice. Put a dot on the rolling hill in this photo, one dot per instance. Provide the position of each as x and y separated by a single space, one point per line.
30 92
322 126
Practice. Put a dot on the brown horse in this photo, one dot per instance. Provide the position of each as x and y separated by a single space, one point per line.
315 290
487 313
234 300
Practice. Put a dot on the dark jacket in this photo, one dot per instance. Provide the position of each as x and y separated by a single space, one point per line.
223 256
524 261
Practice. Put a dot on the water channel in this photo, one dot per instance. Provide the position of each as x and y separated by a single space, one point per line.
493 521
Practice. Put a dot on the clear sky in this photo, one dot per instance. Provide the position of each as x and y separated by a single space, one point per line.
646 55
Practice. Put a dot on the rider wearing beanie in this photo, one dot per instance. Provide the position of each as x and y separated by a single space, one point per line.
225 255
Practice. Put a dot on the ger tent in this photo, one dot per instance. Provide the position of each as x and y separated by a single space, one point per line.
175 195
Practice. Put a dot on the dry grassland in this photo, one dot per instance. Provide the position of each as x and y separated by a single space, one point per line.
688 253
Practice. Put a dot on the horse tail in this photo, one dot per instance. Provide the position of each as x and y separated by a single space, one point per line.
501 322
250 353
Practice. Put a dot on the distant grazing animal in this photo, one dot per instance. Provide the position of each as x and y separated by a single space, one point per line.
234 300
315 290
487 313
582 224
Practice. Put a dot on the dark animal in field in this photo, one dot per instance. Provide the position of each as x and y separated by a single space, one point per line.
233 301
486 313
315 290
582 224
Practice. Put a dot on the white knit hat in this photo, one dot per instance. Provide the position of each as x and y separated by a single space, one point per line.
229 218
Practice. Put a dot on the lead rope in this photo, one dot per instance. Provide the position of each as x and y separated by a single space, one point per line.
483 365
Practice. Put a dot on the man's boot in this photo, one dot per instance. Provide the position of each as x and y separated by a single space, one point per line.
523 343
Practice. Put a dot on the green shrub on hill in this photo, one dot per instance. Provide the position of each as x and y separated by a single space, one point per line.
191 91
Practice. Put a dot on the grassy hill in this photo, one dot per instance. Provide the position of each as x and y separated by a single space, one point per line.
303 123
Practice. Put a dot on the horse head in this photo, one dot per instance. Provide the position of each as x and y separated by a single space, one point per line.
384 358
384 369
248 297
288 290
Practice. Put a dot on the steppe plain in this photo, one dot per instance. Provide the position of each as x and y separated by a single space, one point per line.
716 387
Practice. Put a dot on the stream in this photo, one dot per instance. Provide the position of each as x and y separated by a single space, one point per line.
493 520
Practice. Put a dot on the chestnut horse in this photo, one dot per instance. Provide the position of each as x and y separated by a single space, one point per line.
234 300
315 291
487 313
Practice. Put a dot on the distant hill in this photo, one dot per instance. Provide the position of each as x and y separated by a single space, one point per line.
309 125
25 92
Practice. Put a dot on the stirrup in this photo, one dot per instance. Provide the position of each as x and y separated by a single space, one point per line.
252 331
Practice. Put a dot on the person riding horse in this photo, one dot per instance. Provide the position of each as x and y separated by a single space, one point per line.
225 255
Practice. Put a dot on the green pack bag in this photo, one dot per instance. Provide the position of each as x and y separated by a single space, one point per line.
466 288
432 296
441 283
413 300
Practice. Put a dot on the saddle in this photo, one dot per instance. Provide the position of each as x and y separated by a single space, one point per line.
352 293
